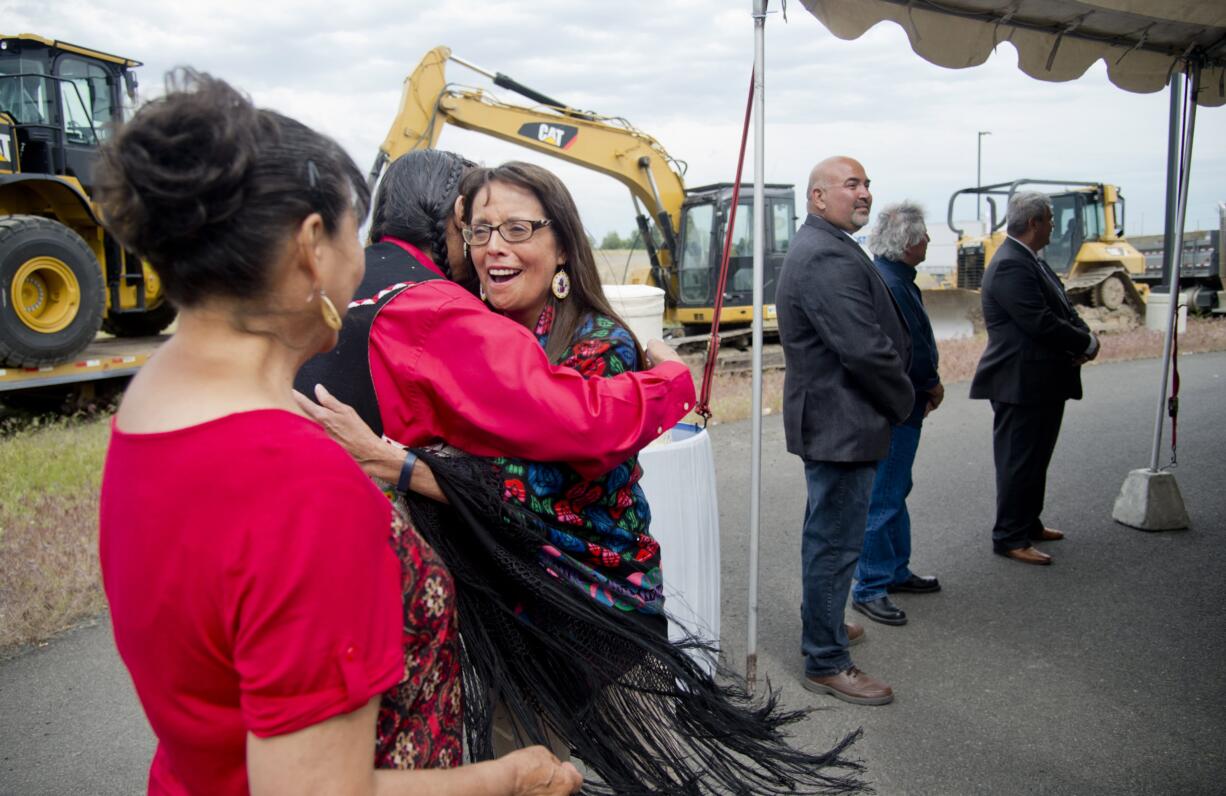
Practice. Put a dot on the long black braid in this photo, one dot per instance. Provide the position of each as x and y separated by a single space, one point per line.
451 188
416 199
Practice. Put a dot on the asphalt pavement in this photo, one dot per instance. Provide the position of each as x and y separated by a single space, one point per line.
1103 673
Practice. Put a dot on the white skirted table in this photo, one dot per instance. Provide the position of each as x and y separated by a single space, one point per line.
679 482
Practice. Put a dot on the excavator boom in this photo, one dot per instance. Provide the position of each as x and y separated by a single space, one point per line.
605 144
692 221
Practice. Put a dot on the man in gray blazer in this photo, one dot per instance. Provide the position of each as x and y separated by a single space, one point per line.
847 351
1036 345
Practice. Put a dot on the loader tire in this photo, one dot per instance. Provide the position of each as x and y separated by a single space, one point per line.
140 324
1109 294
51 292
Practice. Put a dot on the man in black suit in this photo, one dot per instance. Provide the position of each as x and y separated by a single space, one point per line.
847 350
1031 366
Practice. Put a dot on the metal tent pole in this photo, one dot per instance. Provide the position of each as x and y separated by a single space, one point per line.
759 238
1174 246
1171 206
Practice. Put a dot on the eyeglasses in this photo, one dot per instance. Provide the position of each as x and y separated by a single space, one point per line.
512 231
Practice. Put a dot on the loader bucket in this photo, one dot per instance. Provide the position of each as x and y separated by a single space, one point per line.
954 312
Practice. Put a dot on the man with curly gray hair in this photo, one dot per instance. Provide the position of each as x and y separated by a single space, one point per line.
899 242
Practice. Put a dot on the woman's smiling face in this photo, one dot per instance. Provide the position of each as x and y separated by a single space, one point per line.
515 276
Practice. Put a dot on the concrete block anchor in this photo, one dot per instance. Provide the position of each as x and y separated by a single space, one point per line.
1150 500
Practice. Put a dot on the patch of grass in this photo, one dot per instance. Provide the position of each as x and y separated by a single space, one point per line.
49 477
732 396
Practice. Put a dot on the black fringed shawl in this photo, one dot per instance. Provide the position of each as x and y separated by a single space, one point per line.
635 708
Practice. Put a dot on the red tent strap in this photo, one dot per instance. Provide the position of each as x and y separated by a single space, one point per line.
708 370
1172 403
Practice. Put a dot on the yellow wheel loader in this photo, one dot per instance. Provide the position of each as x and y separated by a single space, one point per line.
686 243
62 276
1087 250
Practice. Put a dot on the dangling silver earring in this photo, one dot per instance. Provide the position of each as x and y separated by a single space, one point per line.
560 285
466 254
481 290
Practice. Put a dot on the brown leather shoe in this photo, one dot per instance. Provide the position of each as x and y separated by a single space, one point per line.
855 633
1028 555
1048 535
852 686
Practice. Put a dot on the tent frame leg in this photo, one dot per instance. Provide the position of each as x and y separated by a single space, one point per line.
1150 499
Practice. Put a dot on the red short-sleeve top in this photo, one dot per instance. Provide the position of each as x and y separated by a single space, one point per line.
252 587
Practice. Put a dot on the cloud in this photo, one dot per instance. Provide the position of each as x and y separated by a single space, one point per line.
679 71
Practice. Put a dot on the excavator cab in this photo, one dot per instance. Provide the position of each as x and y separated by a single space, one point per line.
1069 229
700 245
62 276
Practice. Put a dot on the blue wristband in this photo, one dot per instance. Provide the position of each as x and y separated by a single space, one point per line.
406 471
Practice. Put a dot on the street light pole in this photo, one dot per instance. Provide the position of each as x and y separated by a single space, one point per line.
979 174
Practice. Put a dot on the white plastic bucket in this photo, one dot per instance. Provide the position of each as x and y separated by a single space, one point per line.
641 307
679 483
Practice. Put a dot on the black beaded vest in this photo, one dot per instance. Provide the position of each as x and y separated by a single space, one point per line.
345 370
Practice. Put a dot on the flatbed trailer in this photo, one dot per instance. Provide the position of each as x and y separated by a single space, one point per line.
1202 278
105 358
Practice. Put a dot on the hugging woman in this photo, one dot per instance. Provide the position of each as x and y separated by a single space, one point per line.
558 578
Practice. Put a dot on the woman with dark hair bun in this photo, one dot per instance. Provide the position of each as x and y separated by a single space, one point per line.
255 574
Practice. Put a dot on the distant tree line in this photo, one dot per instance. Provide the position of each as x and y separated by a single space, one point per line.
614 241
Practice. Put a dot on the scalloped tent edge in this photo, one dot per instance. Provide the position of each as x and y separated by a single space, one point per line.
1142 42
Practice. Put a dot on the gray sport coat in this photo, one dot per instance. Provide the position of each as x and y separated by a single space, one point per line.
846 349
1034 334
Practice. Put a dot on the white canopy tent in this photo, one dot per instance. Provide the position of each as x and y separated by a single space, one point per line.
1146 46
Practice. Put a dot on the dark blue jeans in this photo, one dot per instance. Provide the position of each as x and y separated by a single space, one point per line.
887 539
833 533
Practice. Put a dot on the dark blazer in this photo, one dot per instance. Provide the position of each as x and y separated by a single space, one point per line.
1033 332
846 348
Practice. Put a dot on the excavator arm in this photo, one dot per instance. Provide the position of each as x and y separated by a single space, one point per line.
605 144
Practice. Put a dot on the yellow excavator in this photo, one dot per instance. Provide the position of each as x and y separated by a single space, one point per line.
62 276
1088 249
682 229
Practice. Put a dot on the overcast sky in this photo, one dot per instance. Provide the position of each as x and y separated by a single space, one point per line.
679 71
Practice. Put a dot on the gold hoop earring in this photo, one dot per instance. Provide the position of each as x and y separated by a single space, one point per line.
560 285
332 318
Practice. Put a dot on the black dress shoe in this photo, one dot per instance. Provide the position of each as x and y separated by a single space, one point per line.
917 584
882 610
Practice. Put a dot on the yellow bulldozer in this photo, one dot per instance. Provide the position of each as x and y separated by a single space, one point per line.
682 229
1088 249
62 276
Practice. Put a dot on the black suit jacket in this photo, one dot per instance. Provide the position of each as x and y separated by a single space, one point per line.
846 348
1033 332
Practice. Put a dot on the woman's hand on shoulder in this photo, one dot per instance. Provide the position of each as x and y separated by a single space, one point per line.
377 457
658 351
535 771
